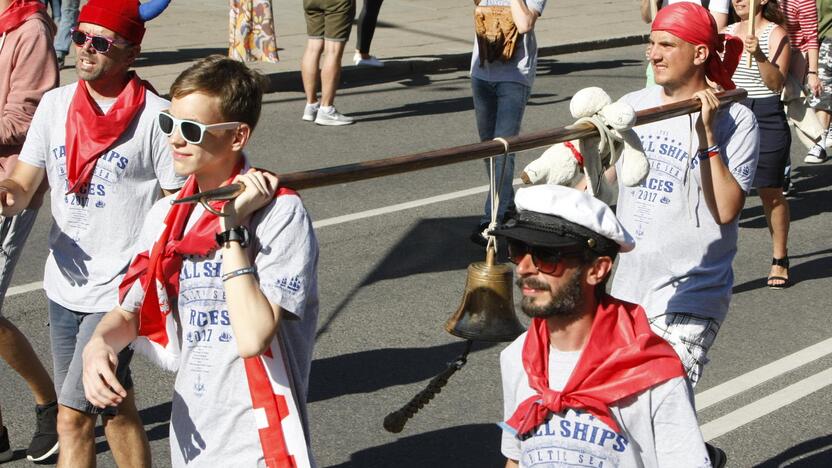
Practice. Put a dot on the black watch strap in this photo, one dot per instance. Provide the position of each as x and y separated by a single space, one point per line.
238 234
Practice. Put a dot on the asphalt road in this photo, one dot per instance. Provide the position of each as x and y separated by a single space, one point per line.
389 281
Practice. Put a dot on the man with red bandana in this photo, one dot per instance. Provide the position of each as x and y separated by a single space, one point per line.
589 384
684 215
27 71
106 162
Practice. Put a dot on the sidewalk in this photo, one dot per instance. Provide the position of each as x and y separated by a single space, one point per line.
413 36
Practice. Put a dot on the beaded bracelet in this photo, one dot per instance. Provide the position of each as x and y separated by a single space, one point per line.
708 153
242 271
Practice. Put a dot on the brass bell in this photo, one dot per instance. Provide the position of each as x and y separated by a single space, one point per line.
487 309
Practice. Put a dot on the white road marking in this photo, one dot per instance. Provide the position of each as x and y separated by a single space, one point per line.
751 379
766 405
403 206
24 288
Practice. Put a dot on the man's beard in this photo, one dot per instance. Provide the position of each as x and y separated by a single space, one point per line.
566 303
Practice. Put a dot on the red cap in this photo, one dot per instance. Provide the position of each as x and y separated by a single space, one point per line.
119 16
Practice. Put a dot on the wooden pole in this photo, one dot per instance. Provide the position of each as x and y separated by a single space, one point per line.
752 14
441 157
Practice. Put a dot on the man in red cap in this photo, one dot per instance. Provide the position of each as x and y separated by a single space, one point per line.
107 163
684 215
27 71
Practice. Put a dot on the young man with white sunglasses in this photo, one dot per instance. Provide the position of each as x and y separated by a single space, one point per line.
107 162
226 293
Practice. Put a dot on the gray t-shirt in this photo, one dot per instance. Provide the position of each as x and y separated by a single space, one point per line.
682 260
521 68
212 417
93 233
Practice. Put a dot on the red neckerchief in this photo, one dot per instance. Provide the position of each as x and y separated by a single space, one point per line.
89 133
622 357
163 264
17 13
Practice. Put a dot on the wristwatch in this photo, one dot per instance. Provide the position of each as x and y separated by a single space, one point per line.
238 234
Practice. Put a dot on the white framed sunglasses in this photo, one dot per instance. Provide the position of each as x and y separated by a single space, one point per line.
192 132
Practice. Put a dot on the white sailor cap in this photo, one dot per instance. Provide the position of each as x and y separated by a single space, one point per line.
560 217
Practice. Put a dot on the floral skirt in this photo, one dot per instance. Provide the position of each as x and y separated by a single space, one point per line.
251 34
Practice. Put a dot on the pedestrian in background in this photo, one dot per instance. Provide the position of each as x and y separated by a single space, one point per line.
328 24
502 76
27 71
364 31
764 80
802 26
823 103
251 34
68 20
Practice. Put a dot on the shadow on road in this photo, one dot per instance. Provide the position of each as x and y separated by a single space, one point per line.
469 445
368 371
433 245
171 57
158 415
810 454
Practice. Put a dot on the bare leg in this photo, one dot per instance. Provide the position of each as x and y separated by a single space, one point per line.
331 71
126 436
18 353
776 208
309 68
75 433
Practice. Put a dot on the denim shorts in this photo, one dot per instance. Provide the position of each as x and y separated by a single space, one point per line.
70 331
14 231
691 337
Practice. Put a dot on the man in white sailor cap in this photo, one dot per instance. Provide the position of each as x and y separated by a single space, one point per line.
589 384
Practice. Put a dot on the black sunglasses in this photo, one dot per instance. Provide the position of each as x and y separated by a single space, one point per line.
545 260
101 44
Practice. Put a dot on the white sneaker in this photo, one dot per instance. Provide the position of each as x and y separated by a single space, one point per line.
371 61
311 111
816 155
332 118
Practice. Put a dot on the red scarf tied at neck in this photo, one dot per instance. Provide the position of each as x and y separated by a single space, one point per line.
89 133
622 357
17 13
693 24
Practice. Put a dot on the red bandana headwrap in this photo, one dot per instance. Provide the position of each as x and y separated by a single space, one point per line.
162 266
622 357
17 13
693 24
89 133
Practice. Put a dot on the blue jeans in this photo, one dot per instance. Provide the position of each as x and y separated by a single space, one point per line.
69 19
499 107
56 9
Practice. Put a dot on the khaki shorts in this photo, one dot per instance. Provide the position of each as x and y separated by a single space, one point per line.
329 19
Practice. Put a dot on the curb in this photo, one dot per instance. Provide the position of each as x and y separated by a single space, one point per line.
395 69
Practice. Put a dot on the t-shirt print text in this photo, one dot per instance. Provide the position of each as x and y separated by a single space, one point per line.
109 169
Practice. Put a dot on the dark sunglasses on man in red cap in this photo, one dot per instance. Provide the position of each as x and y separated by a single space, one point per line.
101 44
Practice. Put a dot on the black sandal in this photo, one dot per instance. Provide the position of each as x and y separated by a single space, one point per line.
781 262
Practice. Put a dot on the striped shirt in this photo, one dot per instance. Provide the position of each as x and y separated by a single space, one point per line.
750 78
802 23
